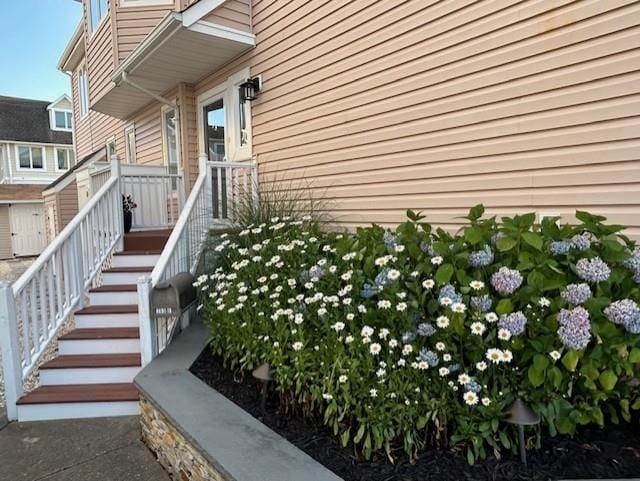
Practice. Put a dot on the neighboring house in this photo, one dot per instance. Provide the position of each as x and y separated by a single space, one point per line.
381 106
36 147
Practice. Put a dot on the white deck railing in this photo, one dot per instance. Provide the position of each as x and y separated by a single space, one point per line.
160 198
34 308
218 190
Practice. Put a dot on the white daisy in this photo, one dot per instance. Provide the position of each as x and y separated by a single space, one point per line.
442 322
470 398
375 348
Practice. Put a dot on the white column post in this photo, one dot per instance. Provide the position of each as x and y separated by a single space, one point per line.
10 350
208 194
115 172
146 323
254 181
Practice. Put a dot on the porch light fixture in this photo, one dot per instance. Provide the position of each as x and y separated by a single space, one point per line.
249 90
263 373
522 415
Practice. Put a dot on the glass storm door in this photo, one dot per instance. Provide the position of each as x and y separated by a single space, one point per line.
215 120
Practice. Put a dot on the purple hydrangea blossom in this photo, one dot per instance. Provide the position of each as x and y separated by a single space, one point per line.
576 294
368 291
575 327
625 313
633 264
429 357
481 303
514 322
427 249
390 239
426 330
473 386
560 247
580 242
593 270
449 291
506 281
481 258
408 337
382 279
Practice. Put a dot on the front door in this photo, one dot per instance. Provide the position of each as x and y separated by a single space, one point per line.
27 229
215 142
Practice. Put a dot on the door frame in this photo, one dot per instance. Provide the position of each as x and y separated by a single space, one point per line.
228 91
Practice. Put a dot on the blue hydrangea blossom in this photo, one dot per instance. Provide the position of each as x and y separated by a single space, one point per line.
506 280
575 327
481 258
515 322
625 313
576 294
593 270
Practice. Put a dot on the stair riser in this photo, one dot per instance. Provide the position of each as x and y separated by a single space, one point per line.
113 298
107 320
94 375
112 278
136 260
98 346
44 412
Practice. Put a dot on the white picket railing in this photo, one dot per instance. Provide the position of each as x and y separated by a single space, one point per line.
218 189
34 308
159 197
99 178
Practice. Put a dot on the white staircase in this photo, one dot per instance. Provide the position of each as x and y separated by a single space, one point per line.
97 361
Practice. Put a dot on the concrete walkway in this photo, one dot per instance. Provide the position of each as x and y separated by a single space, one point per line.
107 449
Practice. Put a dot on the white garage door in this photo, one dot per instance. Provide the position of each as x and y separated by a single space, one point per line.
27 229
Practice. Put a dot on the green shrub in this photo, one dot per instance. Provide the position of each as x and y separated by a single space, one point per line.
419 338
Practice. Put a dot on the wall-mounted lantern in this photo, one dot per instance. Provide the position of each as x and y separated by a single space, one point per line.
249 90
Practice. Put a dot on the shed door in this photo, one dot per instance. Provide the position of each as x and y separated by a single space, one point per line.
27 229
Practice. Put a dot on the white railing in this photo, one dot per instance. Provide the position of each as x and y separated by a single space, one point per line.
159 197
212 201
99 178
34 308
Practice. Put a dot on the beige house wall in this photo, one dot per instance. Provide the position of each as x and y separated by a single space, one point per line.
6 250
233 14
437 106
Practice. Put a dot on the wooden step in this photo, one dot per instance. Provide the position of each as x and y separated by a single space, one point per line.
93 361
108 309
126 270
81 393
136 258
102 333
149 239
115 288
139 252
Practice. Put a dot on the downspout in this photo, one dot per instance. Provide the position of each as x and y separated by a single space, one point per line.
163 100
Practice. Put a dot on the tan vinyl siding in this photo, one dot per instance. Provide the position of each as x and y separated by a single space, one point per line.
233 14
437 106
6 250
67 205
100 59
133 24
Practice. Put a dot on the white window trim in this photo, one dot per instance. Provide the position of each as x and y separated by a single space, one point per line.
92 31
144 3
31 169
229 92
165 146
83 105
127 153
52 119
55 158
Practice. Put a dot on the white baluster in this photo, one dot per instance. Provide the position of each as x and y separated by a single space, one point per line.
146 324
10 350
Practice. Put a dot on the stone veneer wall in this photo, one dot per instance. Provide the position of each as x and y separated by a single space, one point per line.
175 453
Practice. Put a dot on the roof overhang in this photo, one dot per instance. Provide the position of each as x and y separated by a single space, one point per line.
74 51
177 50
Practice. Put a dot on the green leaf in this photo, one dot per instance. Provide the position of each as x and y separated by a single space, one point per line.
634 355
504 439
540 362
473 235
570 360
476 212
608 380
533 239
536 376
444 273
470 457
636 404
506 243
504 306
344 437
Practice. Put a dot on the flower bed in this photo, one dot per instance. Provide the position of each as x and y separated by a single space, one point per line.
418 338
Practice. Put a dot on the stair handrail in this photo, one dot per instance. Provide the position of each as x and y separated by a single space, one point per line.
35 307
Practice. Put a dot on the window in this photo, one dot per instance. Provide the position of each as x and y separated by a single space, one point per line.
111 149
130 144
97 10
64 159
170 140
83 88
30 157
62 120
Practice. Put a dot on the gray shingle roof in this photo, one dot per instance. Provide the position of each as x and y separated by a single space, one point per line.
27 120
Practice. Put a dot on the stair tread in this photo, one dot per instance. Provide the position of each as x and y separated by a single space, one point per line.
118 270
93 361
151 252
108 309
102 333
115 288
81 393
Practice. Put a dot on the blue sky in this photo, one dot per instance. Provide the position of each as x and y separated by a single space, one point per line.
34 34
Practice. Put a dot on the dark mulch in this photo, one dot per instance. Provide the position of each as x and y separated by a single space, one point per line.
593 453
